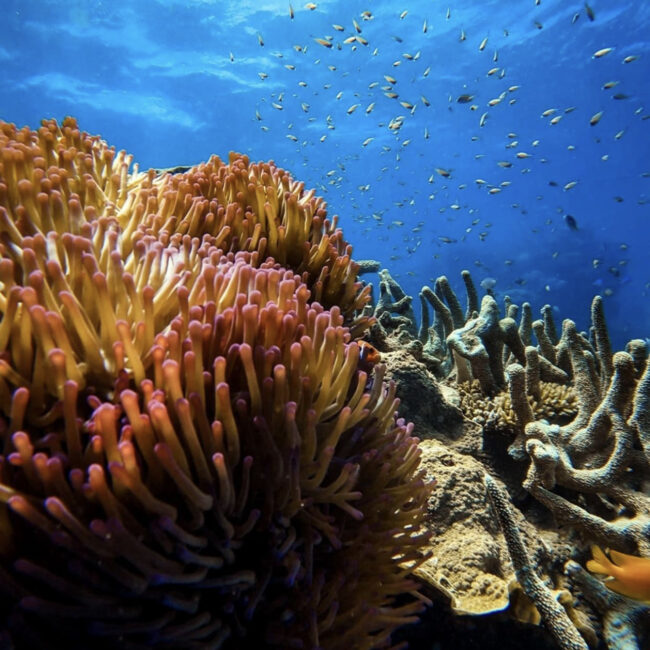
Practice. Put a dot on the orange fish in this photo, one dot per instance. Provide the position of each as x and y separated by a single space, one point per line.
368 355
629 575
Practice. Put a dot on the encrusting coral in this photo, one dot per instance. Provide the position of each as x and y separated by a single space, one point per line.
465 537
192 455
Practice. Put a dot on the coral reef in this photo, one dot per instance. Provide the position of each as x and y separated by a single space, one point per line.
556 417
200 451
600 454
192 455
368 266
553 402
465 535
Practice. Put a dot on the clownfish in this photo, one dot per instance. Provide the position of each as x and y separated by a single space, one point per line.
369 356
629 575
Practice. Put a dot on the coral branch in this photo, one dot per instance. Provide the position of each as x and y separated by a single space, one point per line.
553 614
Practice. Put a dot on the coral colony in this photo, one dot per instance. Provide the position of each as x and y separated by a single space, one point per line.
201 439
565 419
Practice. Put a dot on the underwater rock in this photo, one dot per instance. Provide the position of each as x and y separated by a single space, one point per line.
429 404
469 562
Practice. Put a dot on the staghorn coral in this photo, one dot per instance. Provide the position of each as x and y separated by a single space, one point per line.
592 472
191 453
393 300
470 350
478 349
448 315
394 325
552 613
600 454
577 430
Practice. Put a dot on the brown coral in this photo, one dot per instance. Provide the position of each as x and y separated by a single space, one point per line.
556 403
601 454
578 419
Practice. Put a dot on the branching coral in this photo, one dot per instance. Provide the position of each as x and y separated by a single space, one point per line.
552 612
600 454
448 315
393 300
555 402
191 452
395 325
577 421
482 346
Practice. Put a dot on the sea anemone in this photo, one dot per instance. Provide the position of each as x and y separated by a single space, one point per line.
60 179
90 241
192 456
256 207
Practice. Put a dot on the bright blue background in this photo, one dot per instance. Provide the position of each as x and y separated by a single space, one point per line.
156 77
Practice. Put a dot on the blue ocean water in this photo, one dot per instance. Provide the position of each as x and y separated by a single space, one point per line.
424 183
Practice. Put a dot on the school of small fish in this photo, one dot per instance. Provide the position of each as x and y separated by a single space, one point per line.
402 101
